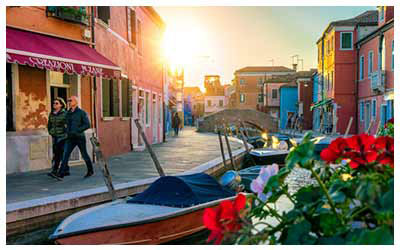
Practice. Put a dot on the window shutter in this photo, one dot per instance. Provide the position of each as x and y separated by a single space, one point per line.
106 97
128 20
389 109
130 98
115 97
133 26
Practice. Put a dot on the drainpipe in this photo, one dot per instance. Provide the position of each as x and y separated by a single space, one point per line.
93 82
357 81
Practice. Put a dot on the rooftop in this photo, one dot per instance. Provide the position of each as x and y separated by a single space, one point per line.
264 69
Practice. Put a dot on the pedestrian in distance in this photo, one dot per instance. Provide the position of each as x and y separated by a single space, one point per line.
77 123
56 126
176 123
289 121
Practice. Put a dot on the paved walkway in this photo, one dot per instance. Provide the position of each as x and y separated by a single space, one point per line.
177 155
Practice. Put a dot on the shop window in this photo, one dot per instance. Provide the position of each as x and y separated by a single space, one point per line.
110 98
103 13
9 99
346 40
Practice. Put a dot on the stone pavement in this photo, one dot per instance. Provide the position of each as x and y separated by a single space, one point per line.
177 155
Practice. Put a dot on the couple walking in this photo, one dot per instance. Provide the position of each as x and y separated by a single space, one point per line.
67 131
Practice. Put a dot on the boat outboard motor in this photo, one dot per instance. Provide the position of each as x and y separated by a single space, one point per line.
231 179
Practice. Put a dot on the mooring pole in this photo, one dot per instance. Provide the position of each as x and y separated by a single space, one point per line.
348 126
101 163
244 139
221 145
148 146
229 148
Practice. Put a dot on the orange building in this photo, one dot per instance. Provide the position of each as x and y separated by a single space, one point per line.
88 52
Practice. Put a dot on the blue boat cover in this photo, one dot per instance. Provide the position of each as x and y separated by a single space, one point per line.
182 191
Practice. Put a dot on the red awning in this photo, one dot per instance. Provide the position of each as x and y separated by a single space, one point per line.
41 51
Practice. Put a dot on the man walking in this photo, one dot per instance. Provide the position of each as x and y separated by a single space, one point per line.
77 123
176 123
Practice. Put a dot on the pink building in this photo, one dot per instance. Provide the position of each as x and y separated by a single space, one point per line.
131 38
375 78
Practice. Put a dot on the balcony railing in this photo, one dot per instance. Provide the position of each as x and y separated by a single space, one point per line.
378 81
69 13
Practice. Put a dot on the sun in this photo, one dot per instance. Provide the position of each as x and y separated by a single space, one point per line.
182 45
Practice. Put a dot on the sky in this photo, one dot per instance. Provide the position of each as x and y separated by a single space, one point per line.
220 40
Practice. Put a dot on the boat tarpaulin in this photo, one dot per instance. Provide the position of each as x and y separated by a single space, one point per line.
182 191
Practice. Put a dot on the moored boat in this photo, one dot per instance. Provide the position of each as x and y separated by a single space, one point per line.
171 208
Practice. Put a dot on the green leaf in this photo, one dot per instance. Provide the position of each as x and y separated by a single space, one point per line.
368 190
329 223
299 233
308 195
378 236
386 201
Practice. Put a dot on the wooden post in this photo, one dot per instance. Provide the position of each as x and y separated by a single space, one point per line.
370 125
102 165
348 126
245 145
244 128
229 148
221 145
148 146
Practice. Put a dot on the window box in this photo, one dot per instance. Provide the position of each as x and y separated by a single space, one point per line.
69 13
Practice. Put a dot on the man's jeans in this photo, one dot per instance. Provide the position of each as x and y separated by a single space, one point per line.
176 130
70 144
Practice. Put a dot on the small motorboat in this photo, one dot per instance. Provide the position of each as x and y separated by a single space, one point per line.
170 208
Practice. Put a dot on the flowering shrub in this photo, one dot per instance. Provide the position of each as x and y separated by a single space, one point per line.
353 202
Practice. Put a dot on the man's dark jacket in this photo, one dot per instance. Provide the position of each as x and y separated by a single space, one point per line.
77 123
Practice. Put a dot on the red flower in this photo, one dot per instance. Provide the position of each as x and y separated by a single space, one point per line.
225 218
335 150
391 121
385 144
361 150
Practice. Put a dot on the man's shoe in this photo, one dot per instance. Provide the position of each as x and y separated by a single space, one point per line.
88 174
56 176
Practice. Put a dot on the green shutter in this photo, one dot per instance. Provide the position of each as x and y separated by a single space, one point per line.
130 98
106 97
115 98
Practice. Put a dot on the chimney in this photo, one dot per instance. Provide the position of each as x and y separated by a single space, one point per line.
294 66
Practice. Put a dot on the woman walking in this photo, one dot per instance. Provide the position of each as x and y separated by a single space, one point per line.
57 129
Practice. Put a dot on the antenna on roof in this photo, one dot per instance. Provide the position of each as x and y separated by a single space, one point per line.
272 61
301 63
293 63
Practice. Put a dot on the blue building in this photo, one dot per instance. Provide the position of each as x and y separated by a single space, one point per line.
288 103
316 111
187 110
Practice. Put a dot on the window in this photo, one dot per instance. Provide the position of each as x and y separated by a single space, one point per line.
361 111
242 82
381 13
346 41
110 98
208 103
242 98
362 68
221 103
139 37
103 13
147 108
392 55
373 111
370 62
132 26
260 81
125 96
260 98
383 114
274 93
